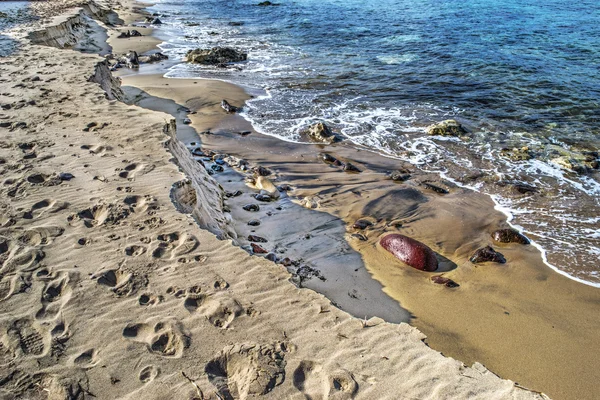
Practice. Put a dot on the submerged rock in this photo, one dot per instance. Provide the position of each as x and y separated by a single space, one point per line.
320 132
509 236
440 280
410 251
487 254
362 224
517 154
215 56
448 127
254 222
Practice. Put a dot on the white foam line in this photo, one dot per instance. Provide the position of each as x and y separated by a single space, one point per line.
509 217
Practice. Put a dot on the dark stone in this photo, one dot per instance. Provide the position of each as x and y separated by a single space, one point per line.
130 60
236 23
271 257
509 236
65 176
228 107
187 121
262 171
153 58
320 132
244 133
134 33
410 251
251 207
524 188
399 176
128 34
435 188
258 249
440 280
328 158
3 246
486 254
267 3
216 168
234 194
448 127
156 21
284 188
220 161
362 224
215 56
254 222
258 239
263 197
351 168
286 262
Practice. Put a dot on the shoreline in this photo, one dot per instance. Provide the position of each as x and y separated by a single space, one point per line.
155 325
438 340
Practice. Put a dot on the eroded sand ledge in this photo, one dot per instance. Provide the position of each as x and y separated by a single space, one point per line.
108 291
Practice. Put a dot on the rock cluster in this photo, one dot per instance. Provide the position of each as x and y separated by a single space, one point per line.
215 56
128 34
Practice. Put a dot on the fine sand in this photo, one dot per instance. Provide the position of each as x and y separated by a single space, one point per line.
114 282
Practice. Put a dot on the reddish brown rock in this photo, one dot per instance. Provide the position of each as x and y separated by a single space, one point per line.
487 254
362 224
440 280
258 249
410 251
509 236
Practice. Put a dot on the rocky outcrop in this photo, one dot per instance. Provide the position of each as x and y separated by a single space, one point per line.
215 56
155 57
321 133
487 254
448 127
509 236
129 34
207 204
110 84
410 251
228 107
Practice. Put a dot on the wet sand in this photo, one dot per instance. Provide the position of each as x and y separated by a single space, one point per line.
521 319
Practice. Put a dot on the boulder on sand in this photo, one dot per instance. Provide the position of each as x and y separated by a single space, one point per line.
509 236
320 132
410 251
215 56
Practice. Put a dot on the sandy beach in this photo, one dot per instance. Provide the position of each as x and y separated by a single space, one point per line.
127 272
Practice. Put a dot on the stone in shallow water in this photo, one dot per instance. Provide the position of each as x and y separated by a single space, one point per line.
320 132
258 239
254 222
486 254
448 127
509 236
440 280
251 207
410 251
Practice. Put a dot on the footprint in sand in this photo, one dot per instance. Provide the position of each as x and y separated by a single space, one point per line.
135 251
44 206
121 282
27 337
220 312
149 373
165 338
133 169
139 204
87 359
55 295
314 382
245 370
102 214
173 245
40 236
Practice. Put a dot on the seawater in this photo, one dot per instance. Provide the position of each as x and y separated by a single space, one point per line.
515 73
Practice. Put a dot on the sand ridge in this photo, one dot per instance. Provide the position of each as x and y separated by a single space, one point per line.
108 291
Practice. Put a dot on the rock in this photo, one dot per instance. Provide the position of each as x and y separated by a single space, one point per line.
580 164
320 132
235 23
156 21
130 60
187 121
328 158
440 280
244 133
264 183
263 197
509 236
310 202
435 188
362 224
128 34
448 127
284 188
258 249
66 176
254 222
234 194
486 254
228 107
251 207
262 171
517 154
267 3
134 33
216 168
351 168
153 58
399 176
271 257
524 188
215 56
410 251
258 239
